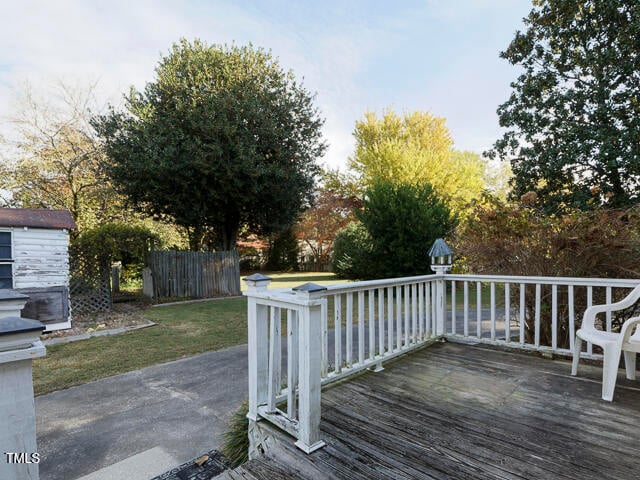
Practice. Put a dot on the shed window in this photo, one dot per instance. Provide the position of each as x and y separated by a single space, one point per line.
6 270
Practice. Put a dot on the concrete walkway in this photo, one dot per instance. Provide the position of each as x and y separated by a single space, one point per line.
165 415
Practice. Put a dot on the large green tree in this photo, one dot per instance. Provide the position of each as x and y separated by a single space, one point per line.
221 139
415 148
573 118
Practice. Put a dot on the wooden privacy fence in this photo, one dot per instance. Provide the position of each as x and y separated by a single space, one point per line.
177 274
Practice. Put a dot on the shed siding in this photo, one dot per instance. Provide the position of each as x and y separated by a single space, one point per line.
41 258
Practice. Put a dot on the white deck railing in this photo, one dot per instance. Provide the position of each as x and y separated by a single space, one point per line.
336 331
536 313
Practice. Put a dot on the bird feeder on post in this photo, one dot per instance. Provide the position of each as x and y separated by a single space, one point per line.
441 256
441 260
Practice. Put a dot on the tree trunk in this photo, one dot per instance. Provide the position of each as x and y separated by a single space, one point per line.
229 236
196 235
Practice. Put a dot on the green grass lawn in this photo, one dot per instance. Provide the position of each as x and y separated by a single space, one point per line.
182 331
485 293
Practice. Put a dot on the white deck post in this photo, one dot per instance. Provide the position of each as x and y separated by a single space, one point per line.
19 345
309 371
12 303
439 302
258 321
441 259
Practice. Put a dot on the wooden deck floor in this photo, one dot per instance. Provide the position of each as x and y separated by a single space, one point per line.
468 412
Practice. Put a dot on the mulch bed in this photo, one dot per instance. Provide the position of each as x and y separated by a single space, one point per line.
121 315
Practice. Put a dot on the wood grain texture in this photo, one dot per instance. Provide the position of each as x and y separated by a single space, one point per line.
468 412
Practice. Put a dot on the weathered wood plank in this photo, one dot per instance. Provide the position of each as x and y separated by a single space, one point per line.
464 412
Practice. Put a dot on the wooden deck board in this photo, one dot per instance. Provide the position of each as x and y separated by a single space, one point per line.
469 412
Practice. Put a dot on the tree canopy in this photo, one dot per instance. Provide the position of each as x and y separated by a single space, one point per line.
221 139
416 148
333 210
53 159
573 117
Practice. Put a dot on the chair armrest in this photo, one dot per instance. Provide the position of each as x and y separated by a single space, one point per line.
588 320
627 328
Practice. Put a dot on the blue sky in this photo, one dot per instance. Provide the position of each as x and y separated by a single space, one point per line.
439 56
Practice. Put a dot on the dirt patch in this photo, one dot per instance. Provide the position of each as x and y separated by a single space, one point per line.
121 315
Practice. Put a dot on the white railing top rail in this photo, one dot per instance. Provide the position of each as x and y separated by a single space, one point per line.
369 284
283 296
577 281
288 295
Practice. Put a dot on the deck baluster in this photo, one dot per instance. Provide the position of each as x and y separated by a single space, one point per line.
361 326
398 317
407 314
572 321
349 330
337 329
493 310
554 317
466 309
537 315
479 309
275 357
523 320
390 318
507 312
589 303
292 361
372 324
381 321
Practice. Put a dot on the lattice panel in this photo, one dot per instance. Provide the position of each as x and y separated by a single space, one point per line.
89 285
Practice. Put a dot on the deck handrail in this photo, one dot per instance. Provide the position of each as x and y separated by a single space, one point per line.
577 281
367 323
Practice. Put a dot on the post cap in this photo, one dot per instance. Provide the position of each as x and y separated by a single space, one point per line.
13 325
309 288
257 282
256 277
9 294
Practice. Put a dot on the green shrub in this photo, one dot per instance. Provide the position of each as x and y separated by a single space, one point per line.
398 225
236 439
351 252
117 242
283 252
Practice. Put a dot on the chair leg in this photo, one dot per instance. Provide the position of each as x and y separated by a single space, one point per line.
610 371
577 348
630 364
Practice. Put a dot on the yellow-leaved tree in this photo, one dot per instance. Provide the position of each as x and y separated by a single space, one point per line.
416 148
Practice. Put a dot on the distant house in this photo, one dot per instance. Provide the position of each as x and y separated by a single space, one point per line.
34 260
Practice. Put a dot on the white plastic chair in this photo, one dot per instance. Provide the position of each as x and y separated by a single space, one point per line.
612 344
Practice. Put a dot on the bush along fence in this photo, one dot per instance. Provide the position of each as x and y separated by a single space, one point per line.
174 274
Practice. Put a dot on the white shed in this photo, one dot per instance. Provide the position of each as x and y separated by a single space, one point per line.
34 260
